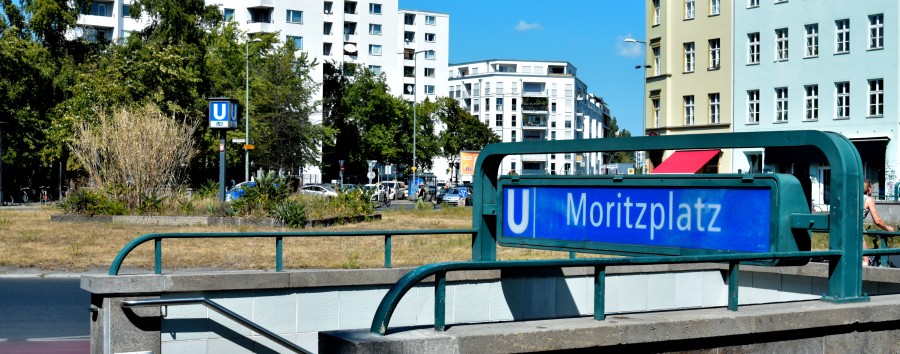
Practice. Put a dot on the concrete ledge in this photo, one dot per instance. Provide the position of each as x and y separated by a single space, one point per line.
202 220
801 324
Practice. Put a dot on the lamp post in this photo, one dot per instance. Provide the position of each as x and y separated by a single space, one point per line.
415 91
643 89
247 108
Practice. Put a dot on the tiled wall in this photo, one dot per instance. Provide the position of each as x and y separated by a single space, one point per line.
298 314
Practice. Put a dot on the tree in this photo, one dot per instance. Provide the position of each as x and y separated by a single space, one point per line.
283 99
461 131
620 156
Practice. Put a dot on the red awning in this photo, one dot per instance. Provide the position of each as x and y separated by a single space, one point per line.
686 161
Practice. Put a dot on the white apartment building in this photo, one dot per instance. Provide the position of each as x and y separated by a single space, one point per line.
410 47
525 100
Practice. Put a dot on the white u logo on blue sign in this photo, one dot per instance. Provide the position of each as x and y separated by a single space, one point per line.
522 225
219 110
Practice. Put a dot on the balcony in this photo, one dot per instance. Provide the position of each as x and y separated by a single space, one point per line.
536 108
534 158
532 93
259 3
260 27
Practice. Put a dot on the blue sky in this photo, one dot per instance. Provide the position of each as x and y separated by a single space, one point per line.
587 33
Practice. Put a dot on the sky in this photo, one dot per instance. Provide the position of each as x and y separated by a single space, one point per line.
589 34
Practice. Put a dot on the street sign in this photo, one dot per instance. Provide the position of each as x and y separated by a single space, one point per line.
249 147
238 140
371 163
634 214
222 113
371 176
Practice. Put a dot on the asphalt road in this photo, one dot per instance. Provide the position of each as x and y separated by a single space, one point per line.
43 316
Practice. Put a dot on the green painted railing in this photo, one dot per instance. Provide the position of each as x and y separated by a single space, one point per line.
881 237
439 271
279 238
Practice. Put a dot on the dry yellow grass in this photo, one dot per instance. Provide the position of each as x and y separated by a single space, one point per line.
28 239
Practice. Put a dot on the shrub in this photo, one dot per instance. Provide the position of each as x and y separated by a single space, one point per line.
292 213
91 202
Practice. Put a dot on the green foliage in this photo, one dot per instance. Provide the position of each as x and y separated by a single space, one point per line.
260 200
292 213
462 132
91 202
620 156
209 189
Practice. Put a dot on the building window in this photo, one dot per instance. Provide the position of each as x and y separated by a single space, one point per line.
429 37
375 69
487 90
513 120
715 111
655 103
781 104
714 7
656 61
350 7
715 55
409 19
753 106
552 136
688 110
689 57
688 9
513 108
655 12
811 102
499 88
876 98
753 48
326 48
430 20
842 36
375 9
476 90
298 41
126 11
812 40
429 72
842 100
512 138
553 107
781 44
569 91
374 49
429 89
294 16
375 29
409 71
328 6
876 31
753 3
229 14
499 104
409 37
429 54
498 121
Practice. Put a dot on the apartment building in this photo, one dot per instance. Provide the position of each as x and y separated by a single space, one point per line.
409 47
800 66
688 74
525 100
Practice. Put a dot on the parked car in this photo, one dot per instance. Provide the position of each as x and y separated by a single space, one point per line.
319 190
455 193
237 191
349 187
398 189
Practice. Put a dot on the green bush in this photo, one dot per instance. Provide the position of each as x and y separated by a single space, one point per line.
292 213
91 202
260 200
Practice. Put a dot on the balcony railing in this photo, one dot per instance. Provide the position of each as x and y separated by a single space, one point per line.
542 93
534 107
534 124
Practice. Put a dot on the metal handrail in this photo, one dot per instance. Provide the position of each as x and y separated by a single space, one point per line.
279 238
439 270
222 311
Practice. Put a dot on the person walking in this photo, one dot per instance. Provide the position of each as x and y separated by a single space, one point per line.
869 209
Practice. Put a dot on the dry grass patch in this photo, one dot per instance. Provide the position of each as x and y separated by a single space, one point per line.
29 239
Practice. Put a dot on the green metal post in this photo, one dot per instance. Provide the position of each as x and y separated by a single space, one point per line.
157 255
733 285
387 251
600 293
440 301
279 253
572 255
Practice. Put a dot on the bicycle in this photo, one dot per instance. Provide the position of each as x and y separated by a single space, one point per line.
45 196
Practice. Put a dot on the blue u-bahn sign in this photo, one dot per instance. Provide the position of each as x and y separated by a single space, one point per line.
651 215
223 113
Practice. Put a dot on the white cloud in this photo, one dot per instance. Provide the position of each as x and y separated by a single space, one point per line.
629 50
525 26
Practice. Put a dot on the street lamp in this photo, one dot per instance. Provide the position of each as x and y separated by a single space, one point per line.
415 92
643 89
247 109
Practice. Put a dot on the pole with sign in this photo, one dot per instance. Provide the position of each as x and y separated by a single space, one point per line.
342 173
222 116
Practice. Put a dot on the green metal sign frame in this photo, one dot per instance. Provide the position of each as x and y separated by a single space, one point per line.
844 222
786 198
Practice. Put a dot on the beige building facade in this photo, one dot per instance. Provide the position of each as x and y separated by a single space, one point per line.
688 73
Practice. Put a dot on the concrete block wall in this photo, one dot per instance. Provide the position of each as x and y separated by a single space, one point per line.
299 314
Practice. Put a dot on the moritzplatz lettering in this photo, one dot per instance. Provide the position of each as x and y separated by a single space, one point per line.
720 219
